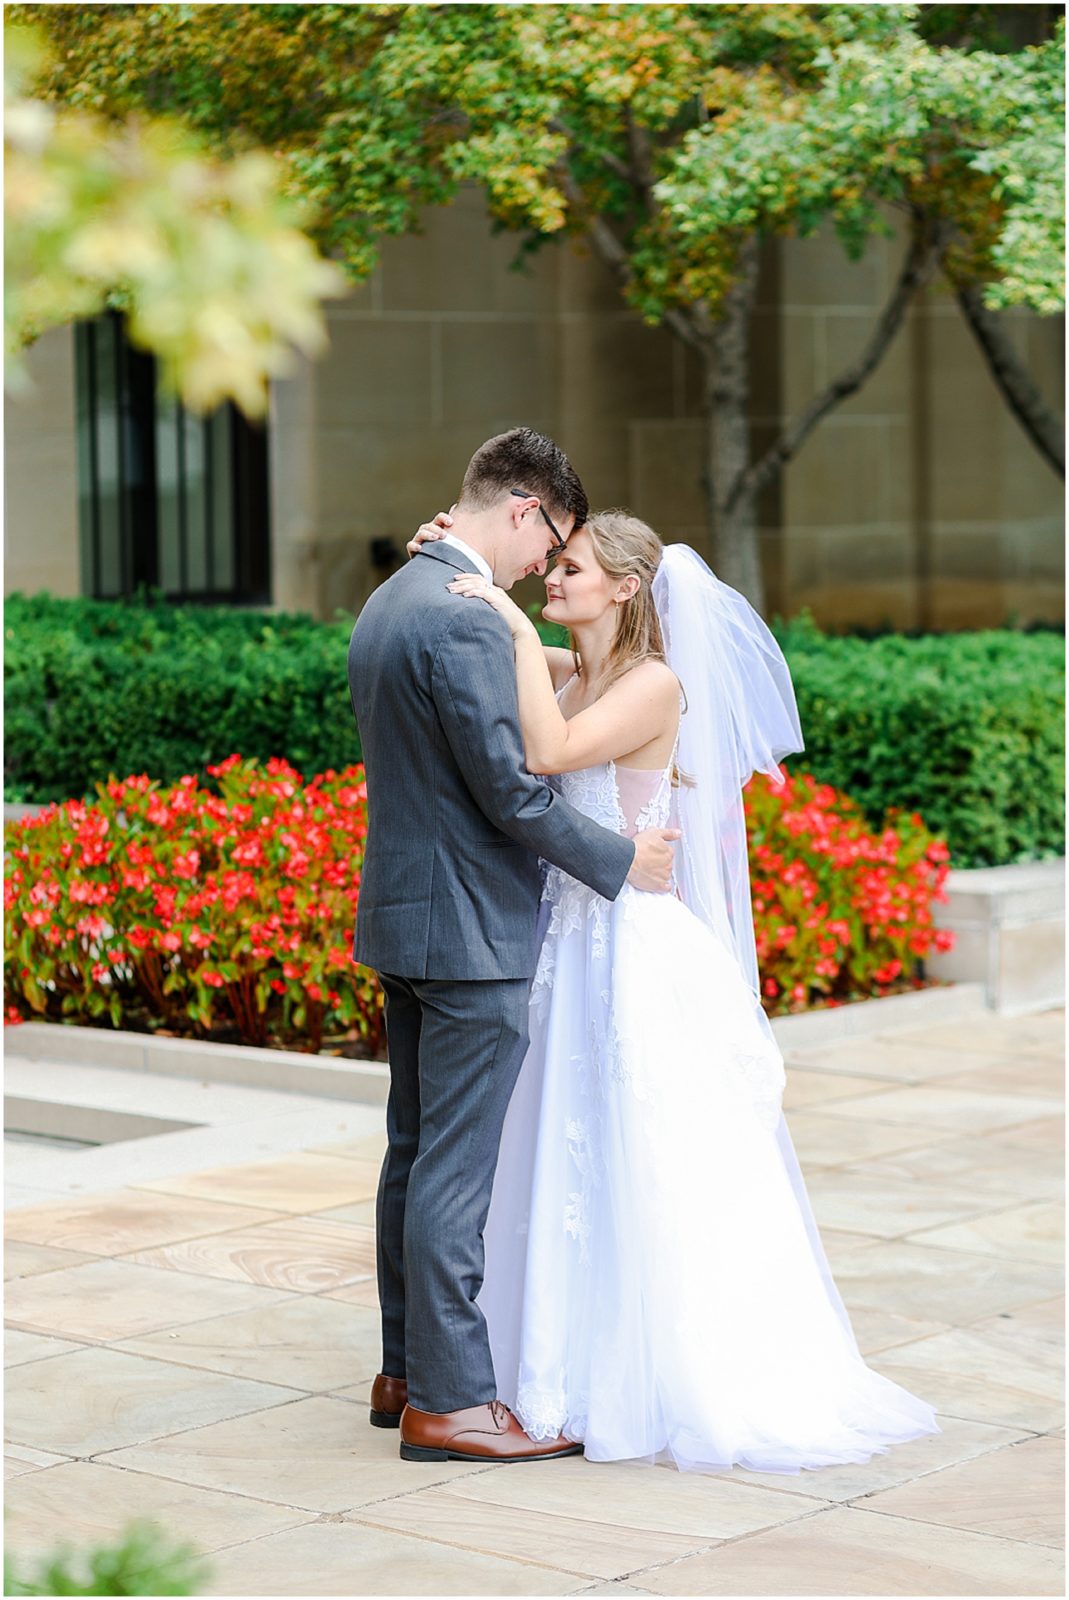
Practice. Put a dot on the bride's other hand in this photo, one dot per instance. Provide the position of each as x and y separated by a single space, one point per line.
427 532
473 587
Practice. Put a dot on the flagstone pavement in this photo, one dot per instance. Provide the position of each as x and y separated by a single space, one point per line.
198 1349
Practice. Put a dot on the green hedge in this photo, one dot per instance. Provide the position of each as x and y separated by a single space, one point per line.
967 729
94 687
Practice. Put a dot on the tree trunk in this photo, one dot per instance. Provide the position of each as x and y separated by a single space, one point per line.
1039 420
732 516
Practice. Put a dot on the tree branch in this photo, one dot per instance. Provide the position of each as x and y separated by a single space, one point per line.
614 253
608 159
641 166
922 259
1038 419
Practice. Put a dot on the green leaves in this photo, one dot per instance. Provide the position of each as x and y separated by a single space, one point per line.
205 256
142 1561
94 687
974 140
687 126
967 729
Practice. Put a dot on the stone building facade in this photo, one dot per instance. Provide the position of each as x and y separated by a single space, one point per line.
919 503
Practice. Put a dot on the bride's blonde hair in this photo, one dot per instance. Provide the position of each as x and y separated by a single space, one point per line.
624 547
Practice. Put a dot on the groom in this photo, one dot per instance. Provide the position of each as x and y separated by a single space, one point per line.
447 916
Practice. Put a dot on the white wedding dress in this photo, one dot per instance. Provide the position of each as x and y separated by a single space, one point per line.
655 1286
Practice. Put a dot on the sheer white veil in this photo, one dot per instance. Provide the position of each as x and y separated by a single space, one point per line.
740 718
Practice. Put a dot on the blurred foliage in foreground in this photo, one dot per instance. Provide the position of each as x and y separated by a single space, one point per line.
203 255
142 1561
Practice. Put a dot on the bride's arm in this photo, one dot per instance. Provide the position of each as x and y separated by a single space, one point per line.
629 715
560 662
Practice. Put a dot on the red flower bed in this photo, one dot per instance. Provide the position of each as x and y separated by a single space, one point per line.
211 914
228 913
840 912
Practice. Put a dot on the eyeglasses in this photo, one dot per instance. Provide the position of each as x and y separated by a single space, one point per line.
558 543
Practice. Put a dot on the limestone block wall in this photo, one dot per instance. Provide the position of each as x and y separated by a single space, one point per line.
918 503
445 346
41 475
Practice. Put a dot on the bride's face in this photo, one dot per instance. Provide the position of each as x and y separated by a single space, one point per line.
577 590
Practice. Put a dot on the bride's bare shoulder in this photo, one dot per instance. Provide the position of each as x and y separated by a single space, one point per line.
651 677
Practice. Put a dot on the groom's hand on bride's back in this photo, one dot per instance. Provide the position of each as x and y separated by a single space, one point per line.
652 867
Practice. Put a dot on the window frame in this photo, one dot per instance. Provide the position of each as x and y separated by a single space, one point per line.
139 410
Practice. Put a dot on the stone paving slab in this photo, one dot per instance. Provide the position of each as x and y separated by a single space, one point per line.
98 1399
852 1551
345 1558
318 1453
25 1260
302 1254
1017 1495
113 1224
106 1300
309 1343
198 1347
89 1499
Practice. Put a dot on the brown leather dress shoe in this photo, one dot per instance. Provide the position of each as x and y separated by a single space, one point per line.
479 1433
389 1396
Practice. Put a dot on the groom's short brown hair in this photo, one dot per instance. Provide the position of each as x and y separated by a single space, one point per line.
524 459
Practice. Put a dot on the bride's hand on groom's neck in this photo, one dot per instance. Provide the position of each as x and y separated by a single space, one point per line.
428 532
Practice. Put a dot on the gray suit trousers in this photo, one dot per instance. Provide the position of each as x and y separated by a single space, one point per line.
455 1049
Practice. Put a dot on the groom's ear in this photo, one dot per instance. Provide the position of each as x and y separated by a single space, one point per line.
516 506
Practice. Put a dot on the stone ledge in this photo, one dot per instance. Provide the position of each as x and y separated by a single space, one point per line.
942 1003
329 1077
367 1082
1010 928
1031 891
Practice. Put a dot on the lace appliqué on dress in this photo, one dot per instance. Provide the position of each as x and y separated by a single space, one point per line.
577 1209
656 811
542 1414
574 905
765 1079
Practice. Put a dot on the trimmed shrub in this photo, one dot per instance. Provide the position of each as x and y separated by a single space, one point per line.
94 689
228 913
966 729
212 913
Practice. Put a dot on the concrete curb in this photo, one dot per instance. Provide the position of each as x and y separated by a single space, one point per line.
367 1082
329 1077
885 1015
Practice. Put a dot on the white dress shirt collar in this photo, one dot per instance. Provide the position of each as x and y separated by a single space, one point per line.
473 555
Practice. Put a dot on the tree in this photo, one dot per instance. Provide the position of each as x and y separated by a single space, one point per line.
202 255
673 139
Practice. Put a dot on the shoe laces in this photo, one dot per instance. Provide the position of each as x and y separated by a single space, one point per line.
500 1412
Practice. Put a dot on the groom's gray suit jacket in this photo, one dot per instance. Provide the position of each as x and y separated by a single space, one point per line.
456 823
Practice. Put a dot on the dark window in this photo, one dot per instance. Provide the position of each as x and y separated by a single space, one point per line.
166 499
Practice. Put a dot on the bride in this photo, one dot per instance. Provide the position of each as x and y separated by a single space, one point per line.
655 1286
